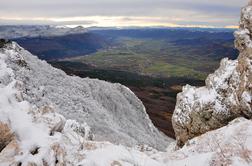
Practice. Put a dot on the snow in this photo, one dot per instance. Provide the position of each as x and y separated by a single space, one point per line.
217 80
44 137
119 154
112 111
15 115
32 135
200 109
231 141
32 130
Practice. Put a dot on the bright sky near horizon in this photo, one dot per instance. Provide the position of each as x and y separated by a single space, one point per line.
173 13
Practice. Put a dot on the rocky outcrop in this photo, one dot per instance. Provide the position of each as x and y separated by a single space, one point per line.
243 43
227 93
227 146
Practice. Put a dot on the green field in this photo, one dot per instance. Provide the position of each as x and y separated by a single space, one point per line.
157 58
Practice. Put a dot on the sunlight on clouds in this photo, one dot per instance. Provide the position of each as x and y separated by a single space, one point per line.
212 13
109 21
232 26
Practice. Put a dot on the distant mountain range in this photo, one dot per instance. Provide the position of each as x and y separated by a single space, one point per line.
12 32
58 47
18 31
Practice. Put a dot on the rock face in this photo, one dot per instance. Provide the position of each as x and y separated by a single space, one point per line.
227 93
112 111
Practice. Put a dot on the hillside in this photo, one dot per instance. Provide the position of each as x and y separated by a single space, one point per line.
107 108
58 47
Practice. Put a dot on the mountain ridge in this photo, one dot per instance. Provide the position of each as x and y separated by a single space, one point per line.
107 108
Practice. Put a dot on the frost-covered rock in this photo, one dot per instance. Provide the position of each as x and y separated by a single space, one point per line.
37 135
227 94
228 146
199 110
112 111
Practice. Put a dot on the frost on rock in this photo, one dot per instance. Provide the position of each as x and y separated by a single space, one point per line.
228 146
38 136
227 93
112 111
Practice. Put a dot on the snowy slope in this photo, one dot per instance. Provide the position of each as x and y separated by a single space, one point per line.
112 111
42 137
33 135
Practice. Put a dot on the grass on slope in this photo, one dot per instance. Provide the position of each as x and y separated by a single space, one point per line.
170 70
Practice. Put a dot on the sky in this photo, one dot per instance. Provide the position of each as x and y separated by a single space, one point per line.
121 13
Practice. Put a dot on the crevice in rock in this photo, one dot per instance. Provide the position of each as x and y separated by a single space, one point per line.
35 151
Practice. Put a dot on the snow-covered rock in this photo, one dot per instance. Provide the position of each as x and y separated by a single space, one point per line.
30 142
227 94
34 134
112 111
228 146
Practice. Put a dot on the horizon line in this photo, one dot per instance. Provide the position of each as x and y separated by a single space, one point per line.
134 26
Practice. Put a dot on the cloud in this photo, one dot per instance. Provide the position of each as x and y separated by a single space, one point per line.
214 12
